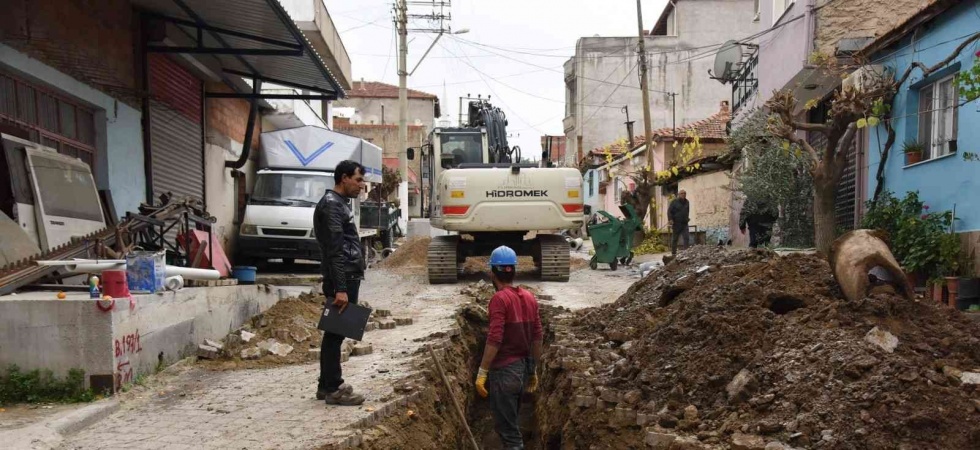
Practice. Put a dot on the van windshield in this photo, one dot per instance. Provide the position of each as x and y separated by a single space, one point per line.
287 189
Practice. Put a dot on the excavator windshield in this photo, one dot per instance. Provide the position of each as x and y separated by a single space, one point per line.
462 147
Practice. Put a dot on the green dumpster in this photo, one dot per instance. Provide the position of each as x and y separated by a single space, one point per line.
607 239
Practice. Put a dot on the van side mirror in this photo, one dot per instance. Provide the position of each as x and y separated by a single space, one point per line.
411 153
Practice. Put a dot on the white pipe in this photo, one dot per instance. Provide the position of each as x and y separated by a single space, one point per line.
193 274
94 267
174 283
80 261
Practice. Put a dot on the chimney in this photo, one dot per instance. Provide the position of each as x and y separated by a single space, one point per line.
341 122
725 109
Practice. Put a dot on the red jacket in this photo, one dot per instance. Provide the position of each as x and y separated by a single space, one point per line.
514 325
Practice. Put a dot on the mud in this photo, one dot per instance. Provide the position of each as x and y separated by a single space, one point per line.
725 342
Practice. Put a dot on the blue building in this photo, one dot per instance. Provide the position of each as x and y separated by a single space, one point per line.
930 111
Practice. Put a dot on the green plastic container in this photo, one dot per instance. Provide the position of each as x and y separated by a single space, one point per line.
613 239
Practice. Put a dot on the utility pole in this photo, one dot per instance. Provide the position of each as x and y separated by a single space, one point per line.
644 85
401 25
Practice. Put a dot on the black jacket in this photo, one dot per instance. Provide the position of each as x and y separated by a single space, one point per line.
679 212
340 247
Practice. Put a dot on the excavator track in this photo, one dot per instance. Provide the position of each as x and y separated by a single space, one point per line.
554 258
441 260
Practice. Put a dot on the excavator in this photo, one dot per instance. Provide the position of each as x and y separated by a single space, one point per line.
486 196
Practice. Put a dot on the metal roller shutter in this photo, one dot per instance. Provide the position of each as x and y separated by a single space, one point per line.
175 130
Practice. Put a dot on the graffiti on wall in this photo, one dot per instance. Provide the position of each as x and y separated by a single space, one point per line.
124 347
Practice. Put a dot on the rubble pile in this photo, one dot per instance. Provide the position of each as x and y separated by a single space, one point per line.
745 349
285 334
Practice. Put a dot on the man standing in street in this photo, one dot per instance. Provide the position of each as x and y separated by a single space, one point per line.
759 217
513 347
342 264
678 216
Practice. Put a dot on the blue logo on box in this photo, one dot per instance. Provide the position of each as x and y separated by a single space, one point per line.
306 160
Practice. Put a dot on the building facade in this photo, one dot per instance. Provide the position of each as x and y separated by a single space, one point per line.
602 81
931 112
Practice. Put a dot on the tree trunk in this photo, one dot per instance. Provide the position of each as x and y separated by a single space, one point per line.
824 215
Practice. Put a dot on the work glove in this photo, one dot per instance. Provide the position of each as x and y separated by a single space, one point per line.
481 381
532 384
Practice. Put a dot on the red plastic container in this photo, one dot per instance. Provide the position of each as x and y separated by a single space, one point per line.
114 283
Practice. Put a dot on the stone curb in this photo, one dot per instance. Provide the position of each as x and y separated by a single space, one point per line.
78 420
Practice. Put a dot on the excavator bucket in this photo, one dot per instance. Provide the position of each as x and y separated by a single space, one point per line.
862 262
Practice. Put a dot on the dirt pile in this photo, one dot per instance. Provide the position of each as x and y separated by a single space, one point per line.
744 348
410 256
285 334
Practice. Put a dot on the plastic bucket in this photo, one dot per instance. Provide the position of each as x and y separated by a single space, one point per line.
244 274
114 283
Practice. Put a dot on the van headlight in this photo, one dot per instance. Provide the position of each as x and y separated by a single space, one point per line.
249 229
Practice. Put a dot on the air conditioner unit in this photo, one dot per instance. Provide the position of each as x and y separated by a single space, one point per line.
866 77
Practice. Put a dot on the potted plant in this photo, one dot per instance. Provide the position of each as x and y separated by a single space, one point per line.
913 152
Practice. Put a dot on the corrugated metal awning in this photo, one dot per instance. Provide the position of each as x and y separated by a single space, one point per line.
249 38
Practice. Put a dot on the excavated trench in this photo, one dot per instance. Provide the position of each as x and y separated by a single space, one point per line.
429 419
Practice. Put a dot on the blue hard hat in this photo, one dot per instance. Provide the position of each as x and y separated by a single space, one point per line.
503 256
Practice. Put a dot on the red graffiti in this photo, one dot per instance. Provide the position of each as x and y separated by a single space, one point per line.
124 373
128 344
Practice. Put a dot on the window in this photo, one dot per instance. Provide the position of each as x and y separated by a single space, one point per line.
618 191
779 7
591 183
463 147
937 118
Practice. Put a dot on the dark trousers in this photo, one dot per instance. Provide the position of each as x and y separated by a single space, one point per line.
331 376
506 387
759 235
679 233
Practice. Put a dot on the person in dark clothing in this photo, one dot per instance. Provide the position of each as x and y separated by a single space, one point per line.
678 217
342 266
514 340
759 217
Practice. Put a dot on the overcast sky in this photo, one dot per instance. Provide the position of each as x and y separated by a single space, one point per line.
514 52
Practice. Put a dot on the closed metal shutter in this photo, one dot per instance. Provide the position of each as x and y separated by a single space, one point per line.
177 159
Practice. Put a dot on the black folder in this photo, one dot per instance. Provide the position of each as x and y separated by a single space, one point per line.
350 324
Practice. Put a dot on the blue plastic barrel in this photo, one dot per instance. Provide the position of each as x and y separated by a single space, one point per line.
244 274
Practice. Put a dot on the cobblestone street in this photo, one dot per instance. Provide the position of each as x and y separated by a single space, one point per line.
188 406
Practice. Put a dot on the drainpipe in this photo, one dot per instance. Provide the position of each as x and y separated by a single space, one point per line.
811 30
249 127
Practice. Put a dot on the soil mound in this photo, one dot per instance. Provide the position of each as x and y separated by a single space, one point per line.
411 254
743 348
291 323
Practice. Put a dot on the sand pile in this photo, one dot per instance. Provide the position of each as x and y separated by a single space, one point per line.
740 349
410 254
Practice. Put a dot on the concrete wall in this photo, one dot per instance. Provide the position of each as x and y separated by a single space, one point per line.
602 63
118 131
783 53
946 182
710 199
838 20
38 331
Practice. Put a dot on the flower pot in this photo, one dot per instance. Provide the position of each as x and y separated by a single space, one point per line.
952 287
912 158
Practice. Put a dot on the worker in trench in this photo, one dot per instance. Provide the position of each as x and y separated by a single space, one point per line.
342 265
513 347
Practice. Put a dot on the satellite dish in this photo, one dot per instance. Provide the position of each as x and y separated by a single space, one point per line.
728 57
